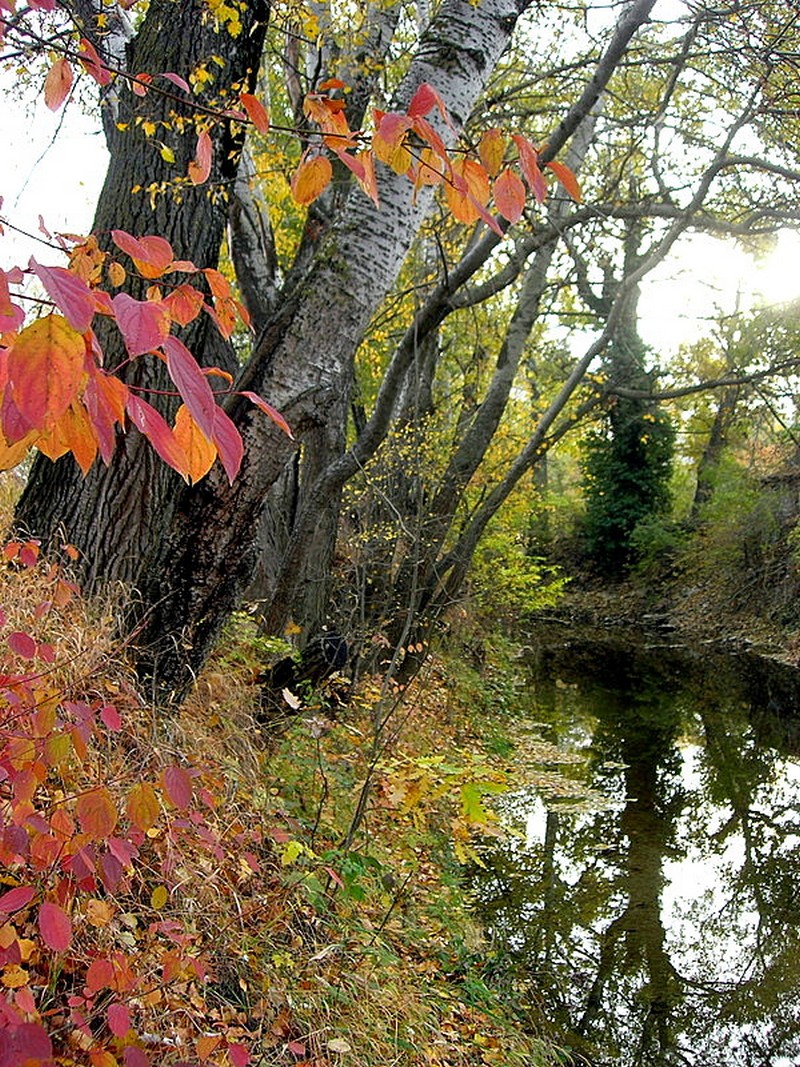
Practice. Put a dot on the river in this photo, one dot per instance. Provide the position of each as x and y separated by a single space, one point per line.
659 925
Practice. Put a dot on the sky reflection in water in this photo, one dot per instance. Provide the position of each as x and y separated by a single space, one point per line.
663 929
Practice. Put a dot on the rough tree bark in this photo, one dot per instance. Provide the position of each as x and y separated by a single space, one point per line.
116 514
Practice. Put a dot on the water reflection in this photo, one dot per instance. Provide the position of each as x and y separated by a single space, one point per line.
663 929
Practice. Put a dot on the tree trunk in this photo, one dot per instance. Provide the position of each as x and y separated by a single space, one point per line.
304 362
115 515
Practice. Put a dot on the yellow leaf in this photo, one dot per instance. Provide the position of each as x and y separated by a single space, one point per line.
14 977
159 897
167 154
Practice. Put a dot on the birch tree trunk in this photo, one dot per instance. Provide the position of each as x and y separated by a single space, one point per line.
304 361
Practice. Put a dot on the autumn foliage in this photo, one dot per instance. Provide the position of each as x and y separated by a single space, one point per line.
59 393
103 836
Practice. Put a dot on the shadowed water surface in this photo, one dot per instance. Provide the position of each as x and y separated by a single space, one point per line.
664 927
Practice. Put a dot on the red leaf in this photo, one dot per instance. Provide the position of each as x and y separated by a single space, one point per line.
57 84
134 1057
100 975
70 293
256 112
55 927
105 398
17 898
200 166
424 100
177 784
192 384
92 64
269 410
119 1019
152 254
149 422
23 644
45 368
229 443
144 324
509 195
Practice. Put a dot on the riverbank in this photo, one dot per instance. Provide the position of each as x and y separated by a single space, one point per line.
677 614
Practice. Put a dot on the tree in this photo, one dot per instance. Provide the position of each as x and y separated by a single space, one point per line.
314 305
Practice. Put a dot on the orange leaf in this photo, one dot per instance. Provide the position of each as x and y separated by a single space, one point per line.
509 195
256 112
388 142
200 452
57 84
184 304
529 165
311 179
142 806
492 149
97 814
46 369
200 166
11 455
469 189
566 177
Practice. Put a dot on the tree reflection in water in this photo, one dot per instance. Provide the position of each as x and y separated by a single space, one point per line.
663 930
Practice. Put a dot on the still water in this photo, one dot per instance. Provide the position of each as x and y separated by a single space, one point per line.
659 925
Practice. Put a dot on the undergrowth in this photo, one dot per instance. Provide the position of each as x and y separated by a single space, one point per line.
185 890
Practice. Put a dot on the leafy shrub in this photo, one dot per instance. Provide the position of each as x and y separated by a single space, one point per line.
110 844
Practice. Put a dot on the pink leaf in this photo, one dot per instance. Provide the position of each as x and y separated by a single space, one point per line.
238 1055
200 166
144 325
178 786
176 79
269 410
134 1057
229 443
21 643
46 653
192 384
155 428
55 927
119 1019
69 293
17 898
110 716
